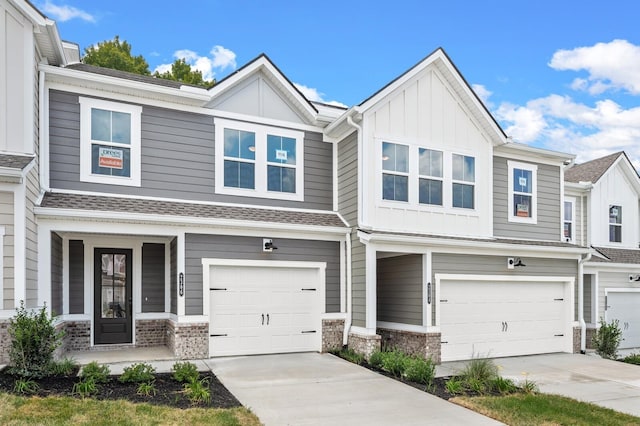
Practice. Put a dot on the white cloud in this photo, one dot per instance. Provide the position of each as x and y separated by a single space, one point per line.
614 65
63 13
221 58
525 124
483 93
313 94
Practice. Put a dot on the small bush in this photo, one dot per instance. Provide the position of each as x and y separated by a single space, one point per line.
394 362
198 391
420 370
352 356
64 367
137 373
482 369
607 339
502 385
632 359
25 386
95 372
85 387
33 341
528 387
146 388
185 371
375 360
454 386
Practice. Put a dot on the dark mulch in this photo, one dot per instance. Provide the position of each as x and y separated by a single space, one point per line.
438 388
169 392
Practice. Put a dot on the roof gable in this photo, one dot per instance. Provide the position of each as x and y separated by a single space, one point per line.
260 89
591 171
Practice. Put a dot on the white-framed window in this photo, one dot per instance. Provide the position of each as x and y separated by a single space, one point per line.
523 199
255 160
463 181
109 142
615 224
430 176
395 172
568 223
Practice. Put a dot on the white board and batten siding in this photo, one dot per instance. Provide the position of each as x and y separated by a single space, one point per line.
425 112
262 307
498 316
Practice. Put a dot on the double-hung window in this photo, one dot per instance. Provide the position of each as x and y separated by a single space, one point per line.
430 176
568 223
522 192
110 142
395 175
255 160
463 181
615 224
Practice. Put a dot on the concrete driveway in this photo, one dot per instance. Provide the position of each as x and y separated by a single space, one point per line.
610 384
321 389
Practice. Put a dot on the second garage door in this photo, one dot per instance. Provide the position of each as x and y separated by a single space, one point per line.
504 317
260 309
622 305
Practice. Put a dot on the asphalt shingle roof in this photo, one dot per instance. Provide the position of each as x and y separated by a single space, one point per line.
17 162
592 170
617 255
96 203
128 75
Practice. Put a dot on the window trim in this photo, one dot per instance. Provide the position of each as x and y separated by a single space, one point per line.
406 174
260 188
86 143
572 201
432 178
471 183
619 225
533 168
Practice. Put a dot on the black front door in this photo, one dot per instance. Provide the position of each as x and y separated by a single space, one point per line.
112 293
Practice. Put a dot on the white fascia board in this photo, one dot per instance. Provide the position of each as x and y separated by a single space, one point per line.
581 187
442 244
72 77
339 128
530 153
613 267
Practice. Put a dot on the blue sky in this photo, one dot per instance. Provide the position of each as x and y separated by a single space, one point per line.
563 75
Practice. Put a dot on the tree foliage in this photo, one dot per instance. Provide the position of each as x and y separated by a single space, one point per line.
182 71
115 54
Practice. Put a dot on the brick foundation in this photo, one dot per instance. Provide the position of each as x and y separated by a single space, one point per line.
425 345
5 342
590 333
364 344
188 341
332 334
77 336
151 333
576 340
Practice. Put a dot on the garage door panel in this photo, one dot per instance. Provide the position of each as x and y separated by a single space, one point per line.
625 307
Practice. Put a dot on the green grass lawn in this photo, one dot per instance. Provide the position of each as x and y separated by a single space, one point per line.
15 410
543 409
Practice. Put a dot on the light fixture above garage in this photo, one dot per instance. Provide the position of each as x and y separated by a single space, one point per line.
513 262
268 246
634 277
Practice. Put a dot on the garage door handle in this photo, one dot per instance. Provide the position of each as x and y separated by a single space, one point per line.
559 300
308 331
217 335
217 289
308 289
262 319
267 319
559 335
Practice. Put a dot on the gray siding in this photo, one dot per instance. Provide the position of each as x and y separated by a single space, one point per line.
76 277
358 281
153 277
399 295
588 304
6 220
548 215
32 193
199 246
177 157
497 265
173 286
56 274
348 179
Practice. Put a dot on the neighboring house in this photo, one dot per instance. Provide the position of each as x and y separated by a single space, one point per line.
27 39
602 211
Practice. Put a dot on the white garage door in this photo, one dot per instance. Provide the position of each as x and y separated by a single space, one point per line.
623 306
264 309
497 318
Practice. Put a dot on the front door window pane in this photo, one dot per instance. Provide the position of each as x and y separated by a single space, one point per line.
113 286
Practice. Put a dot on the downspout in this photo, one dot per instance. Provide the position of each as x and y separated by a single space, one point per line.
583 324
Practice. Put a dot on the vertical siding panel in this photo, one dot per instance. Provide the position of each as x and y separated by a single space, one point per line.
412 110
56 274
76 277
153 278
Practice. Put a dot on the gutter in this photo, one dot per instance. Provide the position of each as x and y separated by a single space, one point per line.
583 324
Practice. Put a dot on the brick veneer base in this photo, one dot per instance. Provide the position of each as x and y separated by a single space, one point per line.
576 340
332 334
188 341
77 336
424 345
5 342
364 344
151 333
590 333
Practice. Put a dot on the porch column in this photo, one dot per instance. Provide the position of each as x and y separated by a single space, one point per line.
180 247
371 313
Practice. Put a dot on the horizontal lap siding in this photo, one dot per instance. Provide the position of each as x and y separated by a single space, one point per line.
358 281
153 277
178 158
7 220
76 277
56 274
548 214
348 179
399 295
199 246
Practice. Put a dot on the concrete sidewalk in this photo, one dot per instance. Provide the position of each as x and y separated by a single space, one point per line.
321 389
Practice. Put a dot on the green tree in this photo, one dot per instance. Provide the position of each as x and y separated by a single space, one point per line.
182 71
115 54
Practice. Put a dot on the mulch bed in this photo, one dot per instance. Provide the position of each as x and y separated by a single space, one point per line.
169 392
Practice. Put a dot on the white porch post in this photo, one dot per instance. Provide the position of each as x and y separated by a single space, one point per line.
371 314
44 269
180 246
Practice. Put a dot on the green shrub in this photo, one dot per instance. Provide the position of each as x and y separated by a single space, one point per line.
85 387
375 360
482 369
63 367
607 339
185 371
502 385
25 386
393 362
454 386
33 341
139 372
632 359
528 386
95 372
146 388
198 391
352 356
420 370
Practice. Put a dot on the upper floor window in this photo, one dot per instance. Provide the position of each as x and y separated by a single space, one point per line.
522 192
110 142
395 175
615 224
463 181
258 161
568 223
430 176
